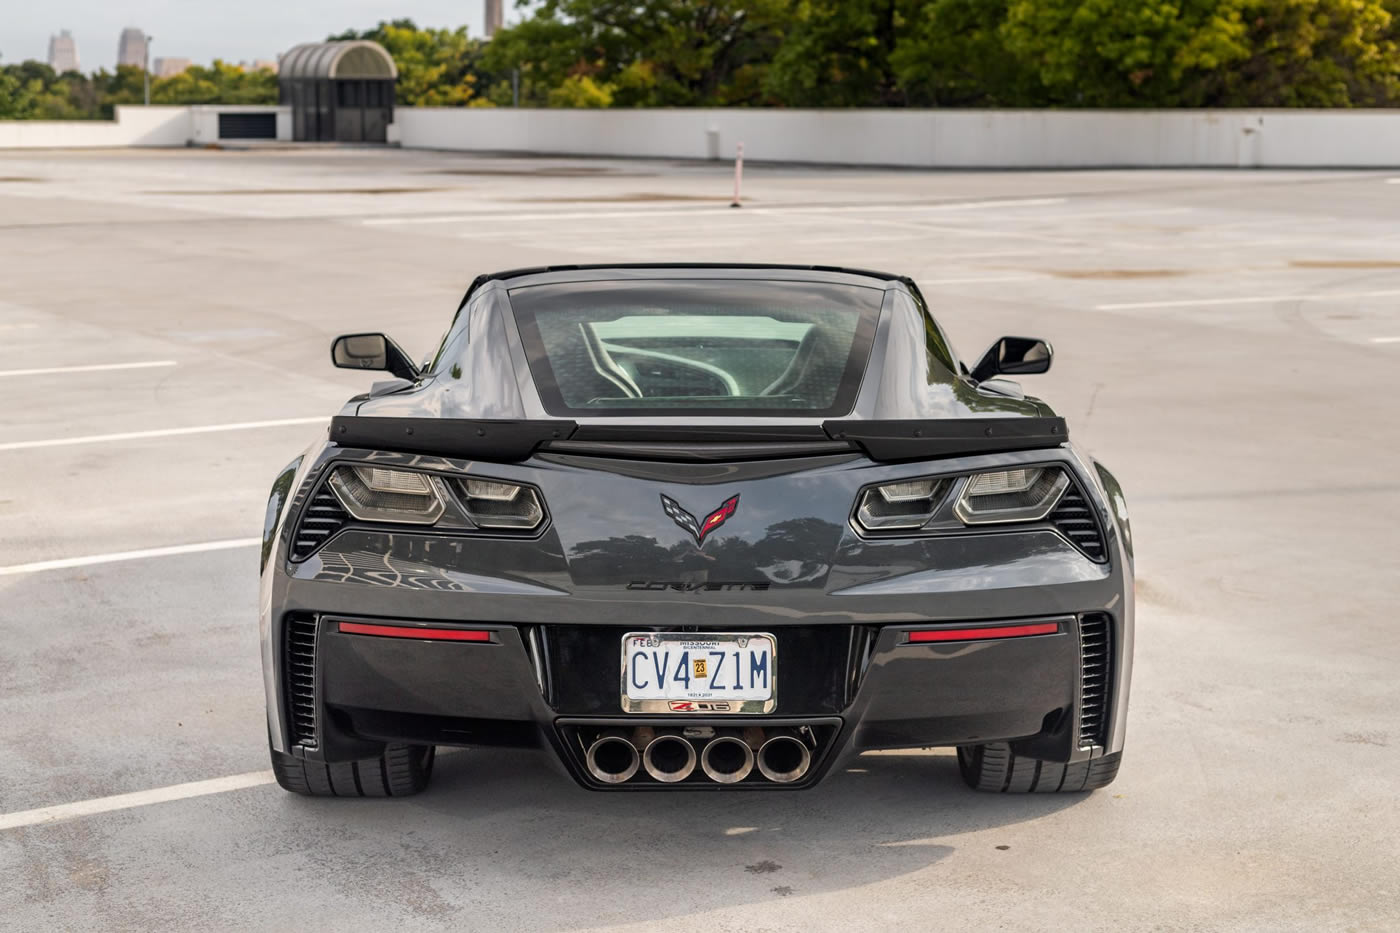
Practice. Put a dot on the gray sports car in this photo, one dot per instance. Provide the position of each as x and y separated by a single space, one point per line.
695 527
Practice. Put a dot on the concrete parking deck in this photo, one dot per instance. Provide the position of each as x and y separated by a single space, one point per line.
1229 342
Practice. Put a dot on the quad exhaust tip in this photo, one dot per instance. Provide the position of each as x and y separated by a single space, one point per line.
727 760
784 759
616 756
669 758
613 759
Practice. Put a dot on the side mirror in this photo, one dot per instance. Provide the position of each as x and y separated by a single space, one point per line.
1014 356
372 351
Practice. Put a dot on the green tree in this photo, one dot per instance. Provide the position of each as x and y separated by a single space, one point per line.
1314 53
950 53
690 52
838 54
1125 53
17 96
437 67
581 91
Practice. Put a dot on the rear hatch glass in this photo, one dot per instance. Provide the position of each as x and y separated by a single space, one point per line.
702 347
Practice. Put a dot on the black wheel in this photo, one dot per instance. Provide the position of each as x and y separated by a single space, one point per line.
401 771
996 769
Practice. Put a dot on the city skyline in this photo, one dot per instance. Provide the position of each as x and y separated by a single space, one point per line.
249 31
63 52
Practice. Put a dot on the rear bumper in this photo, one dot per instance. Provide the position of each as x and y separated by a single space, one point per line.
856 687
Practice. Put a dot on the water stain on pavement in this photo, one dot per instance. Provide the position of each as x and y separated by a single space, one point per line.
762 868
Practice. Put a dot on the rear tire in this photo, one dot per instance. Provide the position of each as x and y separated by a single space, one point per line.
403 770
994 768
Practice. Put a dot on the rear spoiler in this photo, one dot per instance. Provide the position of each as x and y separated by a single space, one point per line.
512 440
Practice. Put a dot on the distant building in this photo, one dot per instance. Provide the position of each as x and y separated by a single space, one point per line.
495 16
131 48
260 63
63 52
165 67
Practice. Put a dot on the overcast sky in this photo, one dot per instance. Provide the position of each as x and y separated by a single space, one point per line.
202 30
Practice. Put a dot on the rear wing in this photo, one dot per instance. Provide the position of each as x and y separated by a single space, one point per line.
513 440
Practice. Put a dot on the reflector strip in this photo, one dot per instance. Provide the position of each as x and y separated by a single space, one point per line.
991 631
411 631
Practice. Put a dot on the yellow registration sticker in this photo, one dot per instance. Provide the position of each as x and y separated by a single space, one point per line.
700 668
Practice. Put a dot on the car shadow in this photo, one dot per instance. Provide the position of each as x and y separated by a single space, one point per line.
508 819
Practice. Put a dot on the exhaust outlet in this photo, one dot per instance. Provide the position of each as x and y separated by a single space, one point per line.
727 759
612 759
784 759
669 758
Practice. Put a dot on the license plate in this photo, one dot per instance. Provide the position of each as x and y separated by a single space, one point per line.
690 672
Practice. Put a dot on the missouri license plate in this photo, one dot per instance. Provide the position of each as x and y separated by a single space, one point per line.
690 672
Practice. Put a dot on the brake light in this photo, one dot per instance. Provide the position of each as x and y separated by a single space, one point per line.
984 632
413 631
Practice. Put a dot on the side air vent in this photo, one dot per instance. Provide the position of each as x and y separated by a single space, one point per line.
299 632
1075 520
863 639
1096 658
322 518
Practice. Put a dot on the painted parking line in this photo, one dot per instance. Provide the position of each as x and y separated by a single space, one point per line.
1243 300
140 798
95 368
507 217
160 432
979 280
88 560
1385 339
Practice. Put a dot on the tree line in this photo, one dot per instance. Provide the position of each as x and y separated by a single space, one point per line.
838 53
33 91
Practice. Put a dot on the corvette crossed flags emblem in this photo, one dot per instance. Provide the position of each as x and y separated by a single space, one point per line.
699 529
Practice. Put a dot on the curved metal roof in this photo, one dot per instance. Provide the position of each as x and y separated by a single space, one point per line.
357 59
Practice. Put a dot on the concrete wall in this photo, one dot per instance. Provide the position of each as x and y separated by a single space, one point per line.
133 126
928 138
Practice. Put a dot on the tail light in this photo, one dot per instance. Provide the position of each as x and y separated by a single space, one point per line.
408 497
493 504
904 505
1023 495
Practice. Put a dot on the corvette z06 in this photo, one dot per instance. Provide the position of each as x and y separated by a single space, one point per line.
695 528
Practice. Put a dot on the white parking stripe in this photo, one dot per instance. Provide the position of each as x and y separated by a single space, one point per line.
987 279
160 432
64 563
1248 300
505 217
140 798
99 367
1385 339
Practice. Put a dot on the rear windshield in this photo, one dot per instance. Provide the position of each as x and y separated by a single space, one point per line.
701 347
